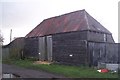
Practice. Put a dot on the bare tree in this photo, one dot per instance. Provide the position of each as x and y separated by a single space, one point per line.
1 38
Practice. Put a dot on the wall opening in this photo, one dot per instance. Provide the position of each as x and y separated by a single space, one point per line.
45 48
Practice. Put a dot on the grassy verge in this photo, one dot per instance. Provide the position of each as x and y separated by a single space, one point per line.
68 71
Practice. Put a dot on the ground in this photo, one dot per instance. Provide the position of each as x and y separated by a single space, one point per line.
28 73
36 69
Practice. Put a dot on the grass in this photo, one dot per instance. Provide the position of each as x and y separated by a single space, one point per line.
67 71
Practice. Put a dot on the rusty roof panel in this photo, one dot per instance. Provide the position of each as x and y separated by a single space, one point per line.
74 21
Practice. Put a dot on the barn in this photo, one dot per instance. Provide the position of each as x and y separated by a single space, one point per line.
13 49
74 38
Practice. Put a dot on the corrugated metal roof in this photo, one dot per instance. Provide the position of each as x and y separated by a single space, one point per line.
17 40
74 21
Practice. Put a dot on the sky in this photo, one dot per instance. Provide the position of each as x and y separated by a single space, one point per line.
24 15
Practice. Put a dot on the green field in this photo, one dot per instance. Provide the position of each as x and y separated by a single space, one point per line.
67 71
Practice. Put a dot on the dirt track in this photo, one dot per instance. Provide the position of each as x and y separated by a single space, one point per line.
27 73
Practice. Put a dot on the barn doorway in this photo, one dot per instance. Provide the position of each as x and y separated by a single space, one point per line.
49 47
45 48
97 53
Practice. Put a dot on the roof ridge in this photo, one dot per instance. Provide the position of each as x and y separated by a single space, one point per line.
67 13
86 19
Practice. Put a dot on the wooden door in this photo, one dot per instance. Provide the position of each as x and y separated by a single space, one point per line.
49 48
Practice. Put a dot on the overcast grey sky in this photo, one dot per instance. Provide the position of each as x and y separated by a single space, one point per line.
23 15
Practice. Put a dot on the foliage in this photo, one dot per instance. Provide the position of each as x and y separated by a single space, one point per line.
1 37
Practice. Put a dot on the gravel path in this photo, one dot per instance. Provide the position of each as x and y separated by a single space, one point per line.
27 73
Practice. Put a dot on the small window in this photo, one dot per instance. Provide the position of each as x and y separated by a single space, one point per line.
105 38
